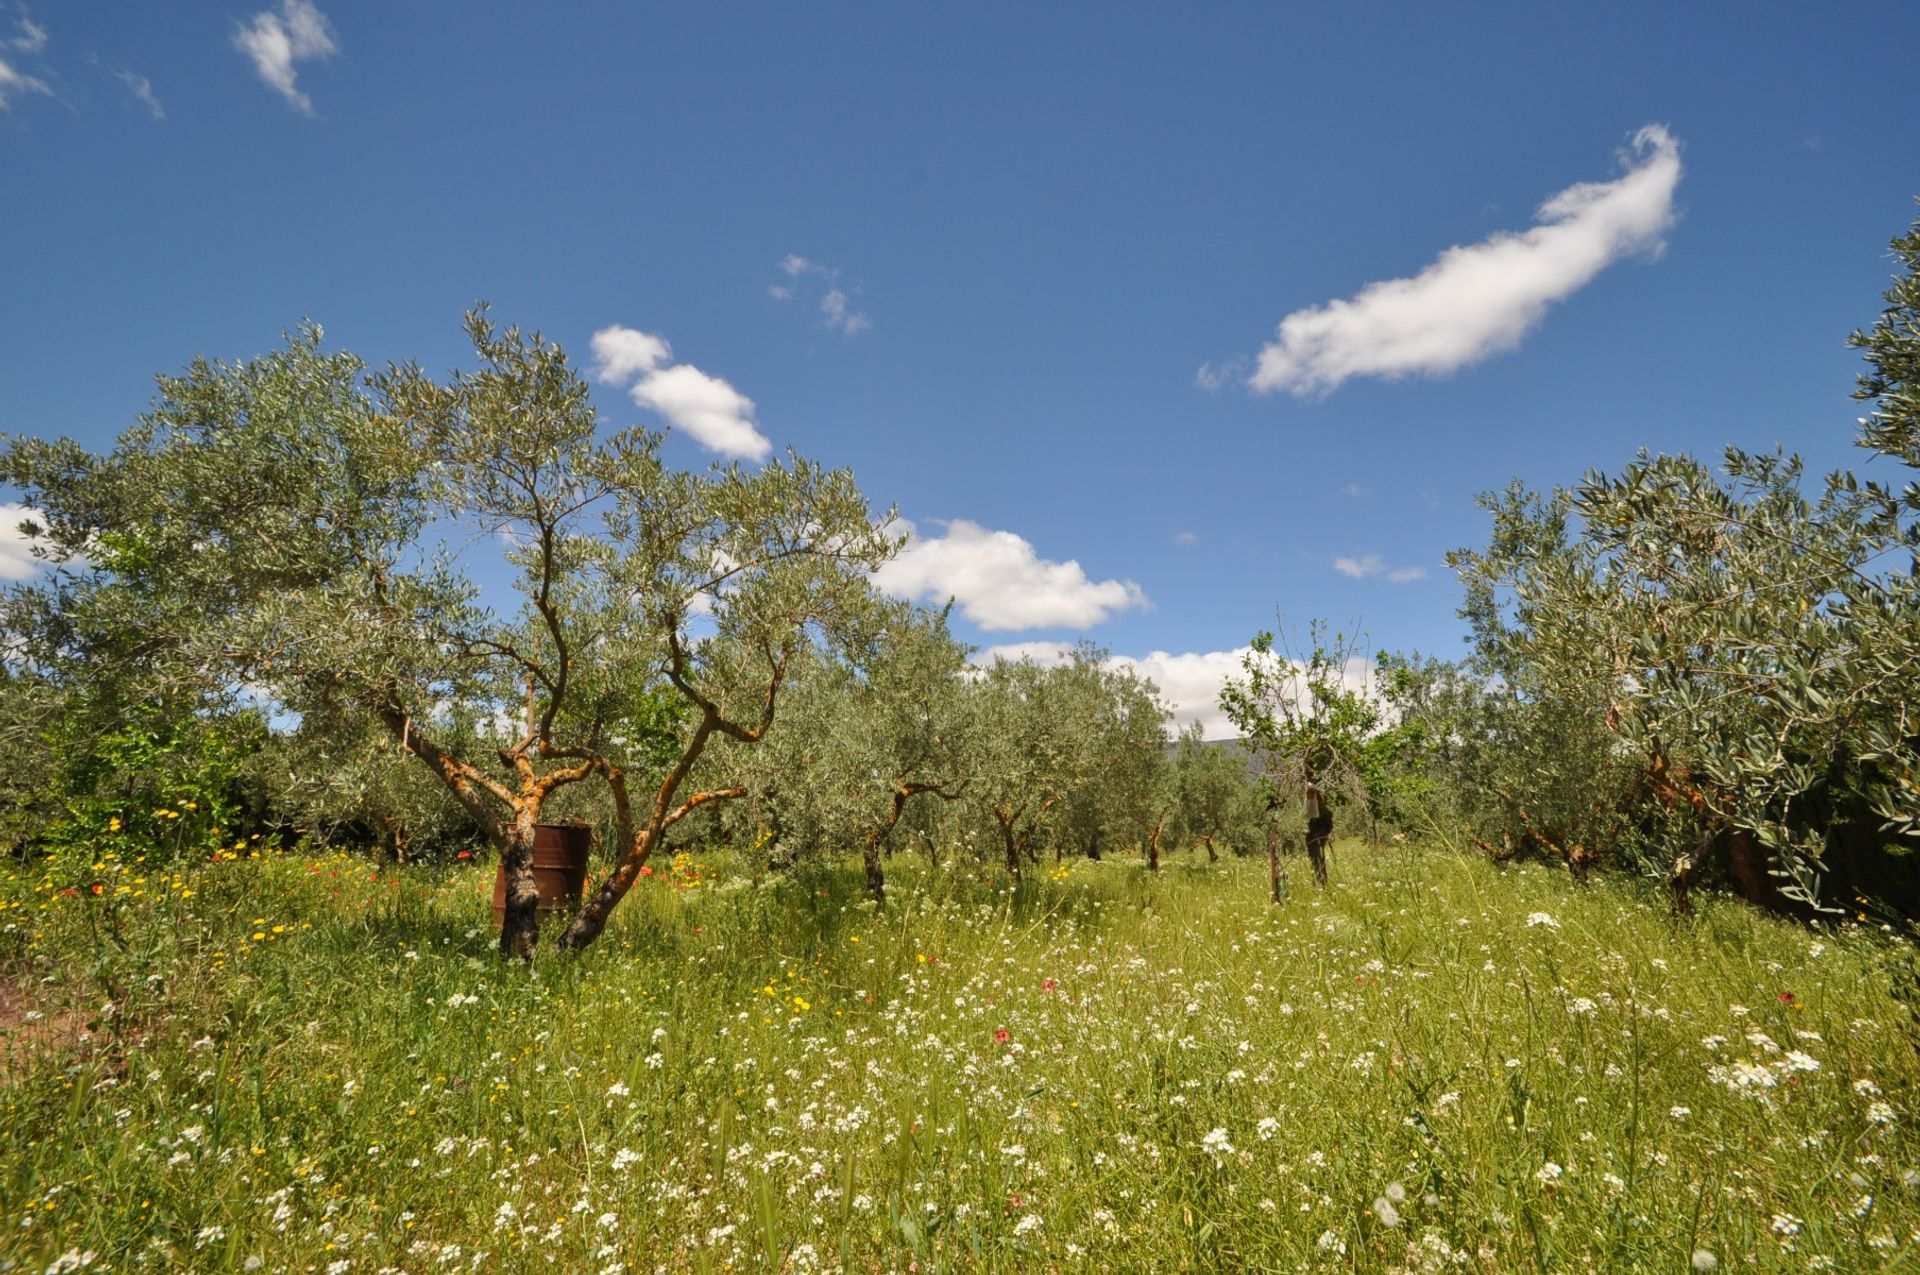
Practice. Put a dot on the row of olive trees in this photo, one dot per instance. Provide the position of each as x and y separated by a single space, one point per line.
1013 757
280 569
1700 674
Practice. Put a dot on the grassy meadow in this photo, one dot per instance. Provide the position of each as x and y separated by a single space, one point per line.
316 1065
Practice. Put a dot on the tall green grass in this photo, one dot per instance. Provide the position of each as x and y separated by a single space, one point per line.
1438 1064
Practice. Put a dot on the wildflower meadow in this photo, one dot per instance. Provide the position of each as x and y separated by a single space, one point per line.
284 1063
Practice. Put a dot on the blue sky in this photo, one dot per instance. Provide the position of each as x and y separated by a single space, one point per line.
1036 258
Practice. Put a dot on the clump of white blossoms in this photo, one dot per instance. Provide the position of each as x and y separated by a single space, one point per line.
1542 918
1704 1260
1217 1145
1549 1173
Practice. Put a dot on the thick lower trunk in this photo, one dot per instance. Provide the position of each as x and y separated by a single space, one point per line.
1319 833
520 930
591 920
1012 848
1212 855
1749 869
1273 862
876 879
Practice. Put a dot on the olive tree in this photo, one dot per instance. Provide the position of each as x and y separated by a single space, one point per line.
1033 735
864 735
1308 723
1216 798
292 532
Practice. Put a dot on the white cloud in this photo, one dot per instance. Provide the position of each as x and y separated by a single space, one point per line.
16 84
1482 299
1214 377
621 353
299 32
1000 582
1189 681
1356 490
1045 654
16 553
841 316
836 307
32 37
717 416
1186 538
142 90
1369 565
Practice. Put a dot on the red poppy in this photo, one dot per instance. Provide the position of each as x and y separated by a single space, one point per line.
1786 998
1047 984
464 854
1001 1035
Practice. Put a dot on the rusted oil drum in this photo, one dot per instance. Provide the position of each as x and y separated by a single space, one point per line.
560 853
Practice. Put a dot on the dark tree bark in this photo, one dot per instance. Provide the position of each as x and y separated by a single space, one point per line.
1273 862
1319 833
876 877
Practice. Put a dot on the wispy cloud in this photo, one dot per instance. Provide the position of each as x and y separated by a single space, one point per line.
275 41
32 37
1214 377
1481 299
142 92
1000 582
1370 565
712 412
1186 537
806 278
15 84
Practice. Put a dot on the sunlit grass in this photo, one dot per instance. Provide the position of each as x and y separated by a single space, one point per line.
1436 1065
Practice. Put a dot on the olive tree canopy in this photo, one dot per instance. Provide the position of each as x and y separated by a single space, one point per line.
295 533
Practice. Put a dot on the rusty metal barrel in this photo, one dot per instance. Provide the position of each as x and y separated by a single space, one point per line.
560 852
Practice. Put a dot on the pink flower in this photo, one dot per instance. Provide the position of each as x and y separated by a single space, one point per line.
1001 1035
